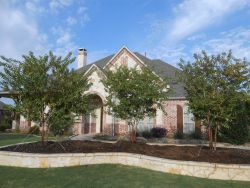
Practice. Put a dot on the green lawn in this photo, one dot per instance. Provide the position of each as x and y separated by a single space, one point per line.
11 138
103 176
97 175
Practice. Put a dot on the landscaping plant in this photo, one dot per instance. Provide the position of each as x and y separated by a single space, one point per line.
237 131
60 121
134 94
146 134
42 84
158 132
178 134
34 130
214 86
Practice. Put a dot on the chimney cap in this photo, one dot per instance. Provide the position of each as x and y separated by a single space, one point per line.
82 49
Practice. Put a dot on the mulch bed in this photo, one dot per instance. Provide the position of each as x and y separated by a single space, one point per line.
187 153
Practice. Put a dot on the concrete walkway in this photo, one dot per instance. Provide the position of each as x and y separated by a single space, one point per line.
90 137
83 137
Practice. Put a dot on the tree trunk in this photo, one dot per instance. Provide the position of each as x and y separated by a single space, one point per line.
133 136
42 124
210 137
215 137
133 132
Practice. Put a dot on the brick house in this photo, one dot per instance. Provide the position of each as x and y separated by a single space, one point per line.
177 118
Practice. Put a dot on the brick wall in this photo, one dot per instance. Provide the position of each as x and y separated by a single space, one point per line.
170 119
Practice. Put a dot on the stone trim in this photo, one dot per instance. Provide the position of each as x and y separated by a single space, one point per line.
189 168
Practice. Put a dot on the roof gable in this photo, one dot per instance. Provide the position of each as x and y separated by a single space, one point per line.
158 66
124 57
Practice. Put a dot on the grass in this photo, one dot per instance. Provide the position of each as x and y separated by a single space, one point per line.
15 138
96 175
103 176
12 138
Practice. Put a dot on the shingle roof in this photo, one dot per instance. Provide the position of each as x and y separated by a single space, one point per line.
160 67
100 63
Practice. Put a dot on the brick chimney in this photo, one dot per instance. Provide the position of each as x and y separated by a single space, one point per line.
82 58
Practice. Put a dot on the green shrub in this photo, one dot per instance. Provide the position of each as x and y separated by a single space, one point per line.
60 122
195 135
146 134
5 123
158 132
248 136
237 131
178 135
3 128
234 134
34 130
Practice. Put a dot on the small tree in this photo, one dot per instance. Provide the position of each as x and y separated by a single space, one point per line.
44 84
237 131
60 121
213 85
134 94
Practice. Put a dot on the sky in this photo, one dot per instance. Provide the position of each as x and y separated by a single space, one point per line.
164 29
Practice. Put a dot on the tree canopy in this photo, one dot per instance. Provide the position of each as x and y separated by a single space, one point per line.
44 85
214 84
134 94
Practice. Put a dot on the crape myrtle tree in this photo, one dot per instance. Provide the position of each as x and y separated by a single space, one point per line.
214 85
44 85
134 94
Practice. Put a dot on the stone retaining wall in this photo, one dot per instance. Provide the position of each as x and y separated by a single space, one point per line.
197 169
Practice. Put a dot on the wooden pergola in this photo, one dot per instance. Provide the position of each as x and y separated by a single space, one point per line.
8 94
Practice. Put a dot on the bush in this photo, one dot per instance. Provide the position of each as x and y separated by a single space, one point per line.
248 136
3 128
5 123
60 122
158 132
178 135
34 130
234 134
195 135
237 131
147 134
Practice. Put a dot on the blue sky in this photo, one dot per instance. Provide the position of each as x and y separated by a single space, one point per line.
165 29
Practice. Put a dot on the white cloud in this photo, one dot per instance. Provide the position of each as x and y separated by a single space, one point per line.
19 33
171 54
83 15
64 41
237 40
55 4
194 15
71 21
32 6
197 37
189 18
64 38
84 18
81 9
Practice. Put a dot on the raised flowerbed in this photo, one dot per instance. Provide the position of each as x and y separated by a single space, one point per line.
186 153
184 160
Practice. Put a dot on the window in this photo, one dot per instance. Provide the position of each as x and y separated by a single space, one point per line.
145 124
188 121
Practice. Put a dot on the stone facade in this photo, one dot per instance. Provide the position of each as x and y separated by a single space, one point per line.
189 168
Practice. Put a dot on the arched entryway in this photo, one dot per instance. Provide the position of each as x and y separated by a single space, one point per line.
93 122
